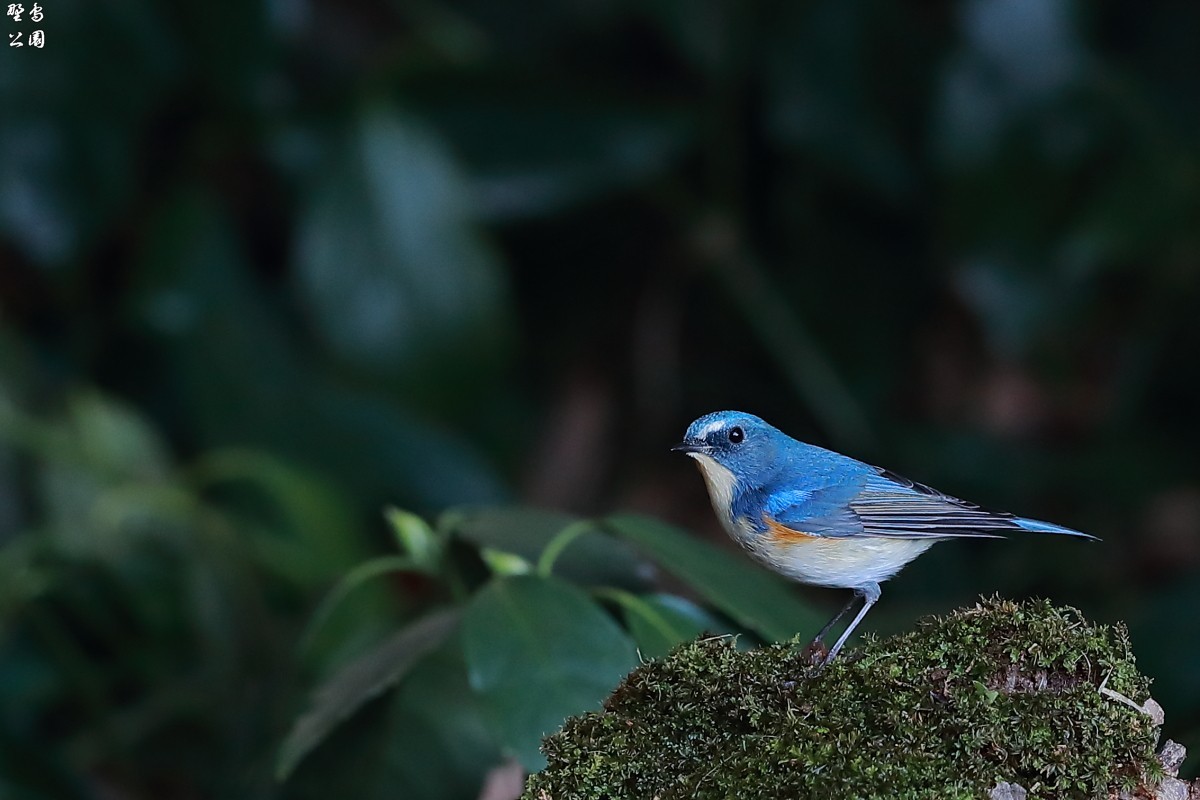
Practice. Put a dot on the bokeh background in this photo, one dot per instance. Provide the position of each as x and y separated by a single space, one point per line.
267 267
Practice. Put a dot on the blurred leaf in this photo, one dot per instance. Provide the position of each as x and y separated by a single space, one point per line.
387 451
1013 304
391 266
375 567
664 621
593 558
1018 54
760 600
559 544
541 153
505 564
24 577
134 507
439 747
115 440
360 681
69 494
318 540
227 353
103 474
417 540
538 650
1030 45
241 379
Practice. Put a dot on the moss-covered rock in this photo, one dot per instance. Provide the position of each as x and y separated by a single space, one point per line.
1002 692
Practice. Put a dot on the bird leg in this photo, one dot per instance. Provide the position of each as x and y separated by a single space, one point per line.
870 596
820 637
816 650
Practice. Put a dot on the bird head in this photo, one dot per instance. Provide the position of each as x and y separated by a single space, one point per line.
738 442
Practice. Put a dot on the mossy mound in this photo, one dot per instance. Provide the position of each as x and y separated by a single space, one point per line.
999 692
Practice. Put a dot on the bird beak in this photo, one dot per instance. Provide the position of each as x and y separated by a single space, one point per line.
690 447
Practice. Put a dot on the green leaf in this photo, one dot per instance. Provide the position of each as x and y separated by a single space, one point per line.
502 563
539 650
360 681
592 558
754 597
438 744
364 572
661 622
417 540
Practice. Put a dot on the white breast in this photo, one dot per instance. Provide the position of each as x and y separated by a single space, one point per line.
838 562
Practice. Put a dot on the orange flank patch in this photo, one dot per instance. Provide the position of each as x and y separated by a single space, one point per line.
782 534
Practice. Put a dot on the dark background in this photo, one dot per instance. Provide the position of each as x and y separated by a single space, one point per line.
265 267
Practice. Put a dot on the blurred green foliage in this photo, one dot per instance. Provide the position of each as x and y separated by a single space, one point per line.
268 268
535 648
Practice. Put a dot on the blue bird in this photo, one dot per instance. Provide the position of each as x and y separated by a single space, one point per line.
825 519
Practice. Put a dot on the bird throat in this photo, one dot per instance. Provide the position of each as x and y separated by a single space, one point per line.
721 485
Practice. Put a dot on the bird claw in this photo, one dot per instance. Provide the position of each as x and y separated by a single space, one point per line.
815 653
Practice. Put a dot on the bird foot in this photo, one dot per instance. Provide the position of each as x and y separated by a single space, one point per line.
814 653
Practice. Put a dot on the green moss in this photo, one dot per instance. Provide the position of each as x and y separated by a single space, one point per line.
999 692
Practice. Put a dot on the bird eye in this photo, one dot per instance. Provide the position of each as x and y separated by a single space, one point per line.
736 434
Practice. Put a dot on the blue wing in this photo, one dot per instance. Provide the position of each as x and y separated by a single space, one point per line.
883 504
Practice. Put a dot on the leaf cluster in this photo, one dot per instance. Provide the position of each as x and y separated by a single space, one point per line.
563 612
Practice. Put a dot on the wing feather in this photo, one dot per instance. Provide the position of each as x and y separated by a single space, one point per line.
884 504
891 505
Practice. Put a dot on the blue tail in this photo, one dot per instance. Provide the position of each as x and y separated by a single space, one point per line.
1037 526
